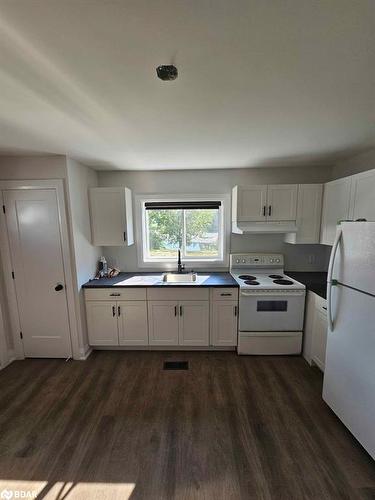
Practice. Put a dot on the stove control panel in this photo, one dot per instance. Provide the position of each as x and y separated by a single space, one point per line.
256 260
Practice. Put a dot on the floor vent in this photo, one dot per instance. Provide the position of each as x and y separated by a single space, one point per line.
176 365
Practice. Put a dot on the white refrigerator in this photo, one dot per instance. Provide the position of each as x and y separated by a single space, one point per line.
349 377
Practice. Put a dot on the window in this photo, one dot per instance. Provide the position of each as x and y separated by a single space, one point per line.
196 227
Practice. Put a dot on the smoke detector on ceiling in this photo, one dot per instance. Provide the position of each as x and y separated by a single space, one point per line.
167 73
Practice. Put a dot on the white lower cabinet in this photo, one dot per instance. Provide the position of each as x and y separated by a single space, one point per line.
224 323
194 323
117 323
196 317
132 323
163 322
315 330
102 322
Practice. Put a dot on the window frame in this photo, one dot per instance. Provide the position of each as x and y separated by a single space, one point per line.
192 262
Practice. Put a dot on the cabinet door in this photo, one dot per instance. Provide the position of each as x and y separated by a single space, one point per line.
102 323
132 322
111 216
251 203
163 322
363 189
224 323
319 340
336 204
194 323
282 202
309 208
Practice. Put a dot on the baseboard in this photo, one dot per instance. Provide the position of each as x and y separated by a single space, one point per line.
11 355
163 348
85 353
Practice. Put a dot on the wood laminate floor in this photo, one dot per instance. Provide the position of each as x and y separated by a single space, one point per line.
119 426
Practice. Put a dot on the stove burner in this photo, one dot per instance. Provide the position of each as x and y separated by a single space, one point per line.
275 276
247 277
252 282
283 282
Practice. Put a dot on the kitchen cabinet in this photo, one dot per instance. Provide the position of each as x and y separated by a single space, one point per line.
282 202
315 330
249 203
111 216
362 196
224 323
132 322
309 209
102 323
113 322
336 207
264 203
163 322
194 323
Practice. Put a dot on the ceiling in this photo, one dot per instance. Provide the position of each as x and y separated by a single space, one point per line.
261 82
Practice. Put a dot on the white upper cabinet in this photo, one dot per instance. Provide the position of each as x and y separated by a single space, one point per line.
282 202
336 207
363 196
249 203
111 216
309 209
264 203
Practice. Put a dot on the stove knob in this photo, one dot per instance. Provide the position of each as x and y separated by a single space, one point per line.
243 261
277 260
237 261
271 261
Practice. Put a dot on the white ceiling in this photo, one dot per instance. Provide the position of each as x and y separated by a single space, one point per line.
261 82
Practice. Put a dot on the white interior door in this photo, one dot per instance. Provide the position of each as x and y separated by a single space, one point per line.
33 225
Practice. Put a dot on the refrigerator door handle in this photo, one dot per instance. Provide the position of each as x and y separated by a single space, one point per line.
332 282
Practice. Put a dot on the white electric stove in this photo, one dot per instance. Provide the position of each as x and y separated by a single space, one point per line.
271 305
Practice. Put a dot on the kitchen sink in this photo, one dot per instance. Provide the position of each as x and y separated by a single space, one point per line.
179 277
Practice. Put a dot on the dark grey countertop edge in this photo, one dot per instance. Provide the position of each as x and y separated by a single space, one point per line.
216 280
315 281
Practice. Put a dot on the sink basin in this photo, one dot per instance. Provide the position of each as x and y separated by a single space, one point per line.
179 277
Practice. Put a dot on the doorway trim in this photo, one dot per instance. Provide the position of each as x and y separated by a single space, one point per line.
10 290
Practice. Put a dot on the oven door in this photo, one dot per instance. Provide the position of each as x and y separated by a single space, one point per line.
271 311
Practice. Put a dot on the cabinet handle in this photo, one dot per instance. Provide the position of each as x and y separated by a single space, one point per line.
124 235
180 310
324 308
226 294
235 310
175 310
118 310
115 294
264 211
269 210
113 311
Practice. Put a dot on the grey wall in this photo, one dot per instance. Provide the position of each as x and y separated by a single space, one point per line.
354 165
298 257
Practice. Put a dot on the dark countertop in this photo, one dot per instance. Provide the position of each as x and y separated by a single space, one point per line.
314 281
213 280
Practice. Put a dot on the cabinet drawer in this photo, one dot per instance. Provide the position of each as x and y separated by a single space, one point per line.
114 294
224 293
177 294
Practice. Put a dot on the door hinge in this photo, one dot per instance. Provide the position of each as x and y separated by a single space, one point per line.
4 209
21 335
13 277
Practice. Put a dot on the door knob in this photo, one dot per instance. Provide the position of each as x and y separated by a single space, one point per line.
59 287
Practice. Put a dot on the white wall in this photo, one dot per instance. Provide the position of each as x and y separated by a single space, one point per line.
80 179
32 167
221 181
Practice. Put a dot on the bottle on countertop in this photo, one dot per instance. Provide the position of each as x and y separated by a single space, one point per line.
103 267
